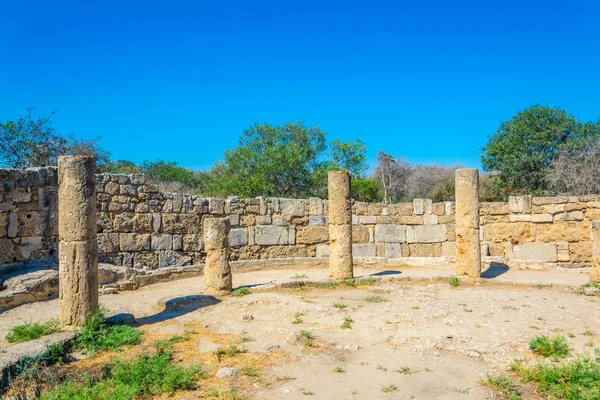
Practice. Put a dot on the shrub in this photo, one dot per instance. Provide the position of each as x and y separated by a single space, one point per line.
26 332
97 335
547 347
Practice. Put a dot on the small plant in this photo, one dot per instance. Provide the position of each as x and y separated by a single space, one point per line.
241 291
454 281
347 324
416 307
298 318
339 305
245 338
249 371
405 370
308 337
468 310
326 284
229 351
571 335
549 347
374 299
504 384
590 343
307 392
26 332
389 388
165 345
381 368
339 369
349 283
298 276
588 332
97 335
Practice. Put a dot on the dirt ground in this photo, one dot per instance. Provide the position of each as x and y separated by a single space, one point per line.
416 340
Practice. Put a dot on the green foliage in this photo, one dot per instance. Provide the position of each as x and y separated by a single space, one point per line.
505 385
523 148
576 380
165 171
146 376
389 388
549 347
366 189
167 344
32 142
347 324
97 335
349 156
454 281
122 167
241 291
25 332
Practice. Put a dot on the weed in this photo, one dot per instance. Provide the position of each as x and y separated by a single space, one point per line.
590 343
415 307
308 337
229 351
97 335
504 384
298 276
405 370
381 368
374 299
389 388
339 369
339 305
298 318
241 291
26 332
307 392
588 332
454 282
347 324
571 335
245 338
547 347
249 371
349 283
167 344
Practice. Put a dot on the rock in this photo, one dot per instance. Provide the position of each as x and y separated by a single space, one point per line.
292 338
187 303
227 372
121 319
473 354
271 347
247 317
206 346
591 291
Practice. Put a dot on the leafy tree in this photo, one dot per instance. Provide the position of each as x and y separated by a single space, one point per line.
522 149
287 160
169 171
366 189
122 167
32 142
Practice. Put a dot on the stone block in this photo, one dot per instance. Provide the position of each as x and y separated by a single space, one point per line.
540 201
133 222
519 204
418 206
315 206
361 234
404 209
580 252
520 217
171 258
317 220
108 243
7 251
181 223
312 234
545 252
216 206
562 251
193 242
145 260
322 250
554 208
449 249
390 233
558 232
29 248
392 250
177 242
161 241
238 237
367 220
364 250
569 216
134 241
430 219
541 218
271 235
427 234
422 250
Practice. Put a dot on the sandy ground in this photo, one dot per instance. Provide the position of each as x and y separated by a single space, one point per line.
428 340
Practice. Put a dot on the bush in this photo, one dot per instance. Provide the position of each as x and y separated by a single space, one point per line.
547 347
97 335
26 332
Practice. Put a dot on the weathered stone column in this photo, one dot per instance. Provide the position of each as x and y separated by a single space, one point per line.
78 247
340 225
468 251
217 272
595 275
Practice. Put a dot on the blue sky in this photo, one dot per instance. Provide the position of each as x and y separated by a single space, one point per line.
426 80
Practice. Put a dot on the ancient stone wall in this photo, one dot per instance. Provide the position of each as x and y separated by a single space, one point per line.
140 227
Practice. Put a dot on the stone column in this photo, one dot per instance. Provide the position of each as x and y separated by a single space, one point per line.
595 275
78 247
217 272
340 226
468 251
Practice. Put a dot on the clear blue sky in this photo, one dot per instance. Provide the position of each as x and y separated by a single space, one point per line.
426 80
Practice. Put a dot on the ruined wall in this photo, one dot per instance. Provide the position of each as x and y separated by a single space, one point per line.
141 227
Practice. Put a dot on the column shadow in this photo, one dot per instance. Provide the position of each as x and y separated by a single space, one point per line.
177 307
495 269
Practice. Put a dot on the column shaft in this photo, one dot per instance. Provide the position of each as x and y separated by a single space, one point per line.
217 271
468 250
340 225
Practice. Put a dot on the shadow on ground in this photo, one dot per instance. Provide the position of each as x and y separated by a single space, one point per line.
177 307
496 269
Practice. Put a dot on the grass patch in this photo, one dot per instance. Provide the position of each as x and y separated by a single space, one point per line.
381 368
229 351
576 380
588 332
347 324
167 344
339 305
97 335
405 370
389 388
348 283
339 369
241 291
374 299
549 347
308 337
454 282
298 318
146 376
26 332
249 371
298 276
504 384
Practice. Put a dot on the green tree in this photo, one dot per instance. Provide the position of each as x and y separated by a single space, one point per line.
169 171
351 156
522 149
366 189
122 167
32 142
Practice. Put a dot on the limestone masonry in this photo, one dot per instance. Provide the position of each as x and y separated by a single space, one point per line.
137 226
